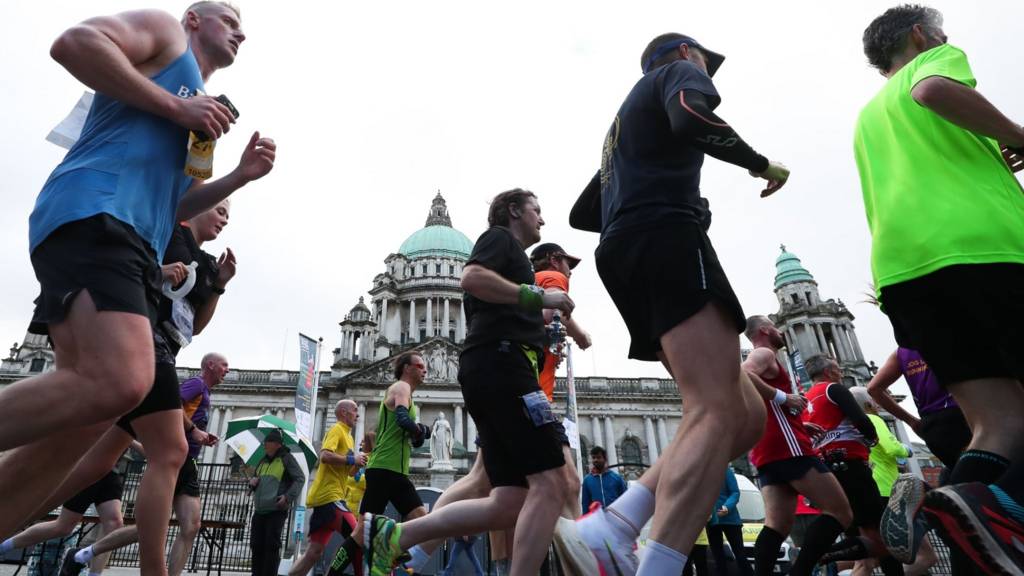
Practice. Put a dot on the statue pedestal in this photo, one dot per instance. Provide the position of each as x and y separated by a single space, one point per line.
442 479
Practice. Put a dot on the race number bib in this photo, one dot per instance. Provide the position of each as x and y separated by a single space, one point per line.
182 319
538 408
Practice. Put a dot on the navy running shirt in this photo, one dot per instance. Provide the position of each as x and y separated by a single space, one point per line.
649 176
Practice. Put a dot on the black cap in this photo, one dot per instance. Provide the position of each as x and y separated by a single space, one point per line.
714 58
274 436
544 251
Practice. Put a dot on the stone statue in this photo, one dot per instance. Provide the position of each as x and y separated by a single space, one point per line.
441 443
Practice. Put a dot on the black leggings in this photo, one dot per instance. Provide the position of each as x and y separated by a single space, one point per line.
734 534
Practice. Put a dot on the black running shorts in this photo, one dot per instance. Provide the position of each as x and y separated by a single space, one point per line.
946 434
105 489
862 493
99 254
188 479
164 395
964 320
659 278
383 486
519 432
788 470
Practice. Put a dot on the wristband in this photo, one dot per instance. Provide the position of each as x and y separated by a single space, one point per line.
780 397
531 298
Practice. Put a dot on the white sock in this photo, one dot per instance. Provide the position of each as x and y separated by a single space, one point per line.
631 511
419 558
7 545
660 560
84 556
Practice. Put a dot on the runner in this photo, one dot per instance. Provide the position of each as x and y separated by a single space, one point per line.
844 441
339 462
100 226
105 495
195 395
947 257
646 202
498 371
787 463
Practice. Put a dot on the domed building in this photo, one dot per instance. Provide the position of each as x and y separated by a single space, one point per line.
415 299
812 326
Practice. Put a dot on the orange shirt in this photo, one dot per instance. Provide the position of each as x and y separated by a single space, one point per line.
550 279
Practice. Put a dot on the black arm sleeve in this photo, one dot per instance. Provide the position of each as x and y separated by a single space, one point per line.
692 119
841 396
586 212
405 422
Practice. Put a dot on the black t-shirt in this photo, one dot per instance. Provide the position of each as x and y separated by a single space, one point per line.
649 177
498 250
183 248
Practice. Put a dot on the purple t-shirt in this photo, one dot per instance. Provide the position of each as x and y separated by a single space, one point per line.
928 395
195 400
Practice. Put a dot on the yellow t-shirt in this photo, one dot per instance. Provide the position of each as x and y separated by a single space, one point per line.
331 481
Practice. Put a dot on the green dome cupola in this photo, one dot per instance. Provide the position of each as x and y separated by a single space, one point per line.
788 269
437 237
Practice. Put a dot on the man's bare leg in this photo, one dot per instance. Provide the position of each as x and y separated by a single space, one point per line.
163 436
110 520
63 526
308 559
187 509
571 504
992 407
107 370
536 524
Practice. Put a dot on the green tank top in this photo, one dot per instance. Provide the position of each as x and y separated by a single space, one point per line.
393 448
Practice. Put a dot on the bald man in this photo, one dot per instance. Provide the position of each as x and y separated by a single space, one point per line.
339 461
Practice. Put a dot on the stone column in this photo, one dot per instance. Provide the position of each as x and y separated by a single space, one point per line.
445 319
609 436
470 434
823 346
318 425
430 317
841 347
414 331
853 340
652 444
218 457
213 427
457 418
793 344
663 434
460 324
383 317
361 424
598 435
279 413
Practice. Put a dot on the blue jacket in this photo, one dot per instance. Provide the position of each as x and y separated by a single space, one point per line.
728 497
604 488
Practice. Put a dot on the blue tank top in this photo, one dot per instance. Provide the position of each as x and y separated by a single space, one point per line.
127 163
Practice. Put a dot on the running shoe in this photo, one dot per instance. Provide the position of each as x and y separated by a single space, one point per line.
615 556
573 552
902 527
381 545
983 522
68 565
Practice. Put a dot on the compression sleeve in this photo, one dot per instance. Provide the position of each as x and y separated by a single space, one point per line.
841 396
405 422
693 120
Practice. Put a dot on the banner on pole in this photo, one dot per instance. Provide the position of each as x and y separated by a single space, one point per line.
801 379
305 390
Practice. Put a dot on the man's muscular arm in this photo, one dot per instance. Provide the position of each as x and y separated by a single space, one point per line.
490 286
758 365
112 54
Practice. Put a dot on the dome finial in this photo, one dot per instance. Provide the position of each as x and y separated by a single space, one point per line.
782 247
438 215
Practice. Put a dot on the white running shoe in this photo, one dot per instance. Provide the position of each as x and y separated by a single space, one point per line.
615 556
573 553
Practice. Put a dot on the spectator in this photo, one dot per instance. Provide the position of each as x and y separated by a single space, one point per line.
602 485
275 486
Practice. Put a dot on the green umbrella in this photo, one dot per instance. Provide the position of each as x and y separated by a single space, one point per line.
245 436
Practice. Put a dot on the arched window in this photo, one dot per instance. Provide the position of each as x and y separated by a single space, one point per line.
585 453
631 452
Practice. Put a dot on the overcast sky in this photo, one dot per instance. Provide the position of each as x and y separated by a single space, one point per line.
376 106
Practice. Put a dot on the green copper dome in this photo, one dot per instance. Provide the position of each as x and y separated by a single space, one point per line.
788 269
437 240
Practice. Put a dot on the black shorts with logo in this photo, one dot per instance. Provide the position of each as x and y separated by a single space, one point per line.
659 278
105 489
963 319
518 430
188 479
164 395
789 469
946 433
99 254
383 486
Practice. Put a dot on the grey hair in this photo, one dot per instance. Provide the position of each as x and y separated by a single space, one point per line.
817 365
887 34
